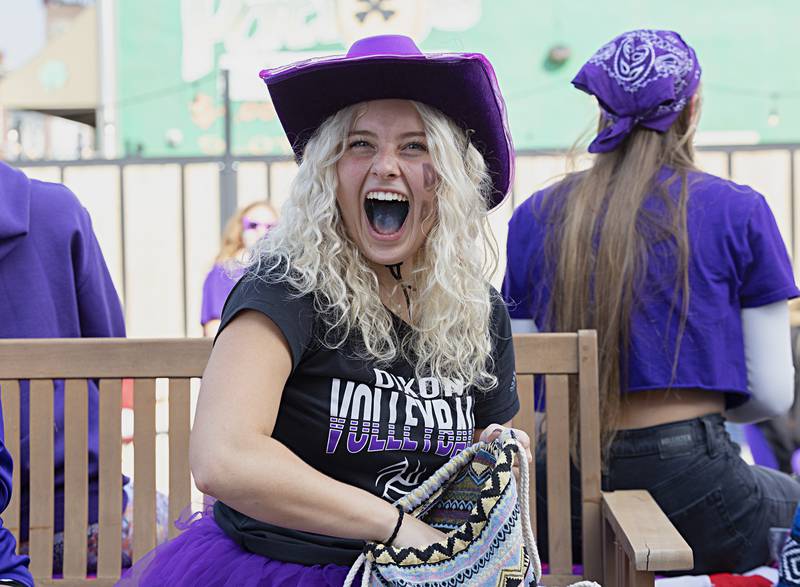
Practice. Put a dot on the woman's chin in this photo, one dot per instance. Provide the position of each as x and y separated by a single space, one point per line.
385 257
388 254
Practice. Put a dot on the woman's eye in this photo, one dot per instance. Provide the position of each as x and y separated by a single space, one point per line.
417 146
359 143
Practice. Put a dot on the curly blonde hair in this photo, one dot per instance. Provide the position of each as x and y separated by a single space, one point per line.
452 306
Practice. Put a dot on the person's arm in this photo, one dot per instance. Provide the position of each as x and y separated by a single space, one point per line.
13 566
768 356
234 458
99 308
211 327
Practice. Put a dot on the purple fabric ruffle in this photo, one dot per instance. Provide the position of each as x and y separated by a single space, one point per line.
204 555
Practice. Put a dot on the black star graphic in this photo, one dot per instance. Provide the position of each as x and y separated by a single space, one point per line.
374 6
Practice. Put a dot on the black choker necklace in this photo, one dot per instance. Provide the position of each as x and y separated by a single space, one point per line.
395 271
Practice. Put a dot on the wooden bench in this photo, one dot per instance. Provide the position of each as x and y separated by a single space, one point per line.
626 538
109 360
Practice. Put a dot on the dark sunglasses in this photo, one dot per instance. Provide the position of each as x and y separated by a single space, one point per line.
248 224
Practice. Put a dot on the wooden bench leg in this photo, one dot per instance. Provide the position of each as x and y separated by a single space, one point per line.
618 569
641 578
609 556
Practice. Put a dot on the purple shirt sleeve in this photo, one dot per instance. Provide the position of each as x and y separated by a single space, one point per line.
524 241
216 289
765 269
99 308
516 288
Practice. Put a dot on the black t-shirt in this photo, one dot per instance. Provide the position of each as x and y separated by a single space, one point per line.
372 426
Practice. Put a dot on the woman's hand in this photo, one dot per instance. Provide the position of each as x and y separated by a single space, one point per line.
416 533
495 430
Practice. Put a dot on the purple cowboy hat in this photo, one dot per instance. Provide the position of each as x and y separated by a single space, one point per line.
462 85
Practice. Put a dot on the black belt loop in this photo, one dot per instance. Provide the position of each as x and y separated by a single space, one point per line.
711 440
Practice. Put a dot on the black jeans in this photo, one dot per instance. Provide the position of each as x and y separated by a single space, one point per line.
722 506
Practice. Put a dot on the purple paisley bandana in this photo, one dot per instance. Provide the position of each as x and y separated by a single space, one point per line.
643 78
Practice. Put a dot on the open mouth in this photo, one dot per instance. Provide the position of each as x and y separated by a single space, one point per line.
386 211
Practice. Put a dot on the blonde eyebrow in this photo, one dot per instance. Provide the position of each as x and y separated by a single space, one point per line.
415 133
405 135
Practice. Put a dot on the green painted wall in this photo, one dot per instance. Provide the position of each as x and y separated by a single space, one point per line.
748 50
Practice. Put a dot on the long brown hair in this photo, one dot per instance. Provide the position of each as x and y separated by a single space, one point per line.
232 241
598 245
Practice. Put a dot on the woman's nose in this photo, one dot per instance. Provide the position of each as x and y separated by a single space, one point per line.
385 165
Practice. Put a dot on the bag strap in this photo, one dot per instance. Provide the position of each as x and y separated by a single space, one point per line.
524 509
524 512
364 561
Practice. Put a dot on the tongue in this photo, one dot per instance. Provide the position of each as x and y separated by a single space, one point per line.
386 217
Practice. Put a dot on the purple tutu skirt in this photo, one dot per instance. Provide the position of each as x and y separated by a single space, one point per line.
204 555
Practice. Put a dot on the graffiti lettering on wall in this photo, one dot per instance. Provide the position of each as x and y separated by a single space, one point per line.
257 34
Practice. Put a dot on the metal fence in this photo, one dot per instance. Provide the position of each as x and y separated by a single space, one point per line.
158 220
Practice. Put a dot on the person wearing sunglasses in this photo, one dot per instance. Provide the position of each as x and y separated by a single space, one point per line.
241 233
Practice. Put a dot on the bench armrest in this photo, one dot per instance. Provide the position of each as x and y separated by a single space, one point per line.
644 532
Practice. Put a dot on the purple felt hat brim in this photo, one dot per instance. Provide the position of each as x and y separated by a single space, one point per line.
462 85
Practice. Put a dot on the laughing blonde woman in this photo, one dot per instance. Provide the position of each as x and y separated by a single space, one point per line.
364 346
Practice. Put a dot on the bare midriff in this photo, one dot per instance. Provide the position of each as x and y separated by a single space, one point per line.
642 409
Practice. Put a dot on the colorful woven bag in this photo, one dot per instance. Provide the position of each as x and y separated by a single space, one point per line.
472 498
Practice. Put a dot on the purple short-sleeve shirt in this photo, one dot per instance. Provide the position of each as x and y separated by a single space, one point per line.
737 260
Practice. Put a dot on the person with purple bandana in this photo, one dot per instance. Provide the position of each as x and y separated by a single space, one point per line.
363 346
241 233
54 283
686 279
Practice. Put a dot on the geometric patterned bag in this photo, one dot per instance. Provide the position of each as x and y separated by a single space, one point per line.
473 499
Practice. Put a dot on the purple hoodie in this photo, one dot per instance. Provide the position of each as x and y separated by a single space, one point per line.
54 283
